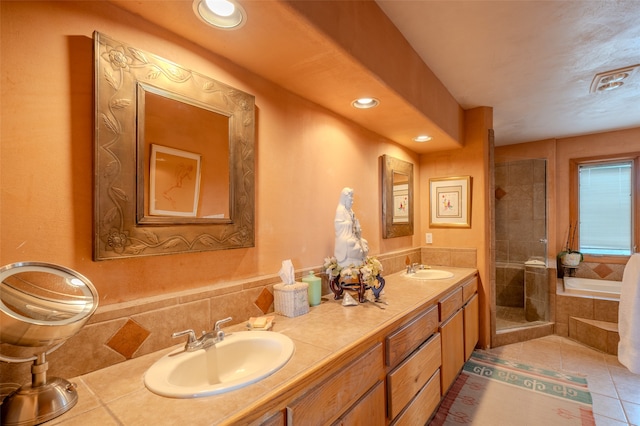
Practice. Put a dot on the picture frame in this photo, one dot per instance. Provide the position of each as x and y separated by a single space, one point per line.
450 202
174 188
400 203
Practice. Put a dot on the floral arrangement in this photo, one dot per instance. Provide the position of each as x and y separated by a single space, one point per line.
368 271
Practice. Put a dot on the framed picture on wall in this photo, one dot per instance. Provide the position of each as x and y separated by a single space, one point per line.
174 176
450 202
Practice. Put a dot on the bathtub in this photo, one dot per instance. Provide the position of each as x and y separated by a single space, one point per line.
590 287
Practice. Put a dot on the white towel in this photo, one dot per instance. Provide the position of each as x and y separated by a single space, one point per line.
629 316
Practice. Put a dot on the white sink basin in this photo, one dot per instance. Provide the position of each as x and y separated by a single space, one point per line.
242 358
430 274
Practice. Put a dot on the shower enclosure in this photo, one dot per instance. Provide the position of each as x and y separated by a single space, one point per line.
522 290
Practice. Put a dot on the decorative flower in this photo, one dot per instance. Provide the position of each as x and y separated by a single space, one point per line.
349 272
118 58
117 240
368 271
331 266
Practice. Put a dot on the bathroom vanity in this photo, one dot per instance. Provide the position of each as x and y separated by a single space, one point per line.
374 363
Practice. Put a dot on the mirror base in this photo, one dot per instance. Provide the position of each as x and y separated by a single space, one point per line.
32 405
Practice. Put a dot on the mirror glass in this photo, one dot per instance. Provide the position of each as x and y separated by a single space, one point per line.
397 197
173 157
43 304
400 182
183 158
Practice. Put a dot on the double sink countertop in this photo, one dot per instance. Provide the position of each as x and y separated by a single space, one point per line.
116 395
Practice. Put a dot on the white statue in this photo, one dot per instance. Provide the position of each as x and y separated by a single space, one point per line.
350 247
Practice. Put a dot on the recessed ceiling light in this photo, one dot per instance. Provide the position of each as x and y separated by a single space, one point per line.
422 138
364 103
222 14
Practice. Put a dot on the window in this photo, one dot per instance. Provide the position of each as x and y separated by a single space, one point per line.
603 200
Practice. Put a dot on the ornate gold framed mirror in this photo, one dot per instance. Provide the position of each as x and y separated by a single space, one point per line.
173 157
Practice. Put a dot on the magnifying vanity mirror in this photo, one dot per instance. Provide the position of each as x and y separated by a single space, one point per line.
173 157
41 306
397 197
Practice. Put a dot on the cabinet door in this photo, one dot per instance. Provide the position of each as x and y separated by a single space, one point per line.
368 411
452 335
328 401
470 326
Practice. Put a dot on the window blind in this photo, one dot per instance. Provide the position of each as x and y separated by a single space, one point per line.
605 208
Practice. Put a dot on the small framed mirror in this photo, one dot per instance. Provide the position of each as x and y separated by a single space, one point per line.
397 197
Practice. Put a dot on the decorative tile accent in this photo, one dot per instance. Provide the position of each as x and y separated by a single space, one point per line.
128 339
602 270
500 193
264 300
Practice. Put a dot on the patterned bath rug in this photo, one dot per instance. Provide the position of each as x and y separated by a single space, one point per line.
495 392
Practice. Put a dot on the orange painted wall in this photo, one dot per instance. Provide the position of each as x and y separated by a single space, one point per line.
472 161
585 146
304 156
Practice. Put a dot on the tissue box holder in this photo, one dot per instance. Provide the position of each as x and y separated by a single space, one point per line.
291 300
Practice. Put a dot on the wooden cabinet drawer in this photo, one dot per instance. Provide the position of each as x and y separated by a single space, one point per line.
405 340
368 411
334 396
411 375
450 304
469 289
423 405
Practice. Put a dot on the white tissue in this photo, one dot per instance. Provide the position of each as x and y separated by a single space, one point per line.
286 272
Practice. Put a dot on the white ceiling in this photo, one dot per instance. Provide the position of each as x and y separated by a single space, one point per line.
532 61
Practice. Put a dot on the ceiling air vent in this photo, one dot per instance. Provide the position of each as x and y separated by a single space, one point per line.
609 80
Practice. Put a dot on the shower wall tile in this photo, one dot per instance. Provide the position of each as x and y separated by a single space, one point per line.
501 175
521 213
521 172
502 251
539 171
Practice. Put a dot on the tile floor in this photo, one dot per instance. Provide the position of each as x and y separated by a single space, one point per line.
615 391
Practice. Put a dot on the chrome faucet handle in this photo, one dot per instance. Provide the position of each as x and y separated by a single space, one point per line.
192 341
216 329
220 322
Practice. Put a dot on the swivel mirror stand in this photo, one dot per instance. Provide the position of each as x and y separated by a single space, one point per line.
41 305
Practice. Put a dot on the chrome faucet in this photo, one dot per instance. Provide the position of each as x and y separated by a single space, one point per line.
411 269
206 340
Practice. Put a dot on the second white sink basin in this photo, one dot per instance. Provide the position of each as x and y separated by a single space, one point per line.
430 274
242 358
